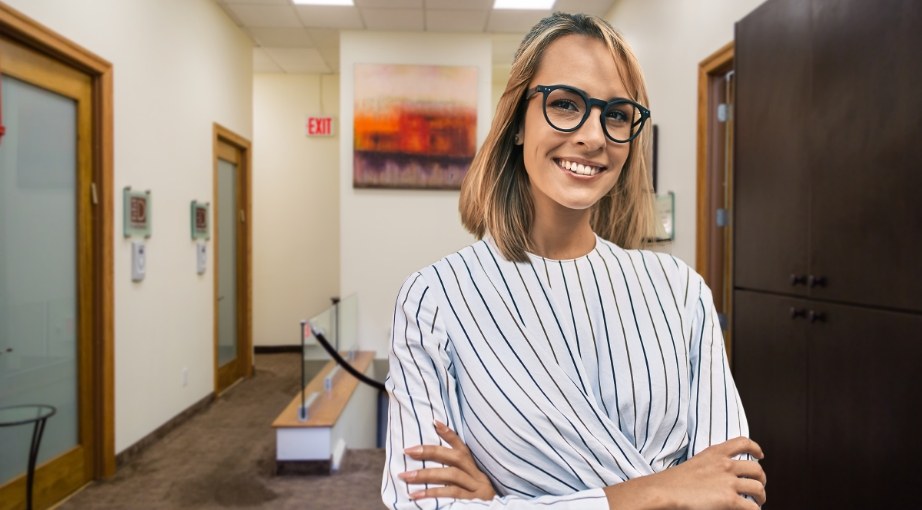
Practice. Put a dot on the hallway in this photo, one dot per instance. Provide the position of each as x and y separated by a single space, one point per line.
223 457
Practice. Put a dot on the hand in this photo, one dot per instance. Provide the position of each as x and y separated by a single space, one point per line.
711 480
459 479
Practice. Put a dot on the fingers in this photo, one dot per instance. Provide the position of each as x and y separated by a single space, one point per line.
749 469
450 436
441 476
442 455
443 492
752 488
740 446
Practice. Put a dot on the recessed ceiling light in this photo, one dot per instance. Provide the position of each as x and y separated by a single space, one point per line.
535 5
323 2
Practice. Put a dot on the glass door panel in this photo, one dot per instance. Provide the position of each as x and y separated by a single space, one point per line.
227 262
38 275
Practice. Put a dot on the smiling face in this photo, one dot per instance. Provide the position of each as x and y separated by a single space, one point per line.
570 172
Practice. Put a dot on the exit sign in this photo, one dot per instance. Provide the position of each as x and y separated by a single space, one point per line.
319 126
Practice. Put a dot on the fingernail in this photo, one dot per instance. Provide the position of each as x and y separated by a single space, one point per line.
439 425
413 450
408 476
416 495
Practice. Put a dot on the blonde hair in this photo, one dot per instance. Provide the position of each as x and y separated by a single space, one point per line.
495 194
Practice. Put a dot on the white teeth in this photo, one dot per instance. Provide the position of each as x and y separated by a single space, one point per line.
578 168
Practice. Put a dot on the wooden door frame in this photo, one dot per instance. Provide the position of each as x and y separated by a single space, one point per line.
245 235
711 67
44 41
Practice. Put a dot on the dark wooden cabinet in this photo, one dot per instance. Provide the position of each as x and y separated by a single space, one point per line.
771 373
827 228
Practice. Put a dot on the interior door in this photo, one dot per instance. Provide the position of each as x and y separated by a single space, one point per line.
46 271
233 345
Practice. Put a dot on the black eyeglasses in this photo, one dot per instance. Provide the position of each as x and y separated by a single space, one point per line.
566 109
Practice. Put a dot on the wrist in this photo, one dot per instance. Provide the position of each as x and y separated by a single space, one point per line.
638 494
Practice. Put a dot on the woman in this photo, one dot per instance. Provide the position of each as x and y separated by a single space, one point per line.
580 372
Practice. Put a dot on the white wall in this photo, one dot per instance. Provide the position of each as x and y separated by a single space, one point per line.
670 38
179 66
388 234
296 203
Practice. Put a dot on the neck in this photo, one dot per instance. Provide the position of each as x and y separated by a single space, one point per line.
562 236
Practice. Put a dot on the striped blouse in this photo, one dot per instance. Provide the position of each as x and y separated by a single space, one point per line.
561 376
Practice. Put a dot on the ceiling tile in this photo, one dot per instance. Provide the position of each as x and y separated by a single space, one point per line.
325 16
282 37
261 2
298 60
455 21
263 63
390 4
265 15
331 57
324 37
519 21
597 7
393 19
485 5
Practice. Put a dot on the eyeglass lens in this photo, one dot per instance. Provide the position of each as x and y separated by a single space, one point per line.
566 109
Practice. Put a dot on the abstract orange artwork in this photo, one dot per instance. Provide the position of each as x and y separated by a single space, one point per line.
414 126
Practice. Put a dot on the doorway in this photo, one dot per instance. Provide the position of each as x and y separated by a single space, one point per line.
55 273
714 243
232 259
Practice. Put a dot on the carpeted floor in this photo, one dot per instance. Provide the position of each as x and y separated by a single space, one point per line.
224 457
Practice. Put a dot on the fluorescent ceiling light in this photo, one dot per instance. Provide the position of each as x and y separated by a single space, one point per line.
534 5
323 2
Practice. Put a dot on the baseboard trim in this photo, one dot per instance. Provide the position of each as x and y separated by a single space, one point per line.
274 349
132 452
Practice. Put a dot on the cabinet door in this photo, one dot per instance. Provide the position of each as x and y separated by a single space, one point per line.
865 389
772 59
770 369
866 209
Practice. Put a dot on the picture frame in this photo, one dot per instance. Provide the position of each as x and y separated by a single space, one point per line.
414 126
136 213
199 220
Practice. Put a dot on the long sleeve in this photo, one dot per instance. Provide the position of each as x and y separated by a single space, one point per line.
422 386
715 411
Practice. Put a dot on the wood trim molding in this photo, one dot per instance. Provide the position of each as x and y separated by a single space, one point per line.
221 134
707 67
43 40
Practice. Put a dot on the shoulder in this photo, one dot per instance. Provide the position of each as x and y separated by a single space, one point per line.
662 269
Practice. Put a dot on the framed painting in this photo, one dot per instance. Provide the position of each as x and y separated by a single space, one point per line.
414 126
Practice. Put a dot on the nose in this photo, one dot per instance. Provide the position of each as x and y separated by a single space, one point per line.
591 134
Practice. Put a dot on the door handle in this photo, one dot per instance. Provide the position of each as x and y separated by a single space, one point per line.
816 281
814 316
798 279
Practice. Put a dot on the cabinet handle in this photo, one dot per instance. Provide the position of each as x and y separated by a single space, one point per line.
798 279
816 281
797 313
816 316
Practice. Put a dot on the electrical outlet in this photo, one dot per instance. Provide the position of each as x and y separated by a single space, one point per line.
185 377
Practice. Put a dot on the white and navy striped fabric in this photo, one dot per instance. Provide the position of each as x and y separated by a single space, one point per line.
563 377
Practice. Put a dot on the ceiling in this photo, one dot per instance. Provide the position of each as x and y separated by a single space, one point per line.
291 38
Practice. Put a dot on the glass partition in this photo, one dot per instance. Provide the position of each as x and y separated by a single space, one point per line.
338 322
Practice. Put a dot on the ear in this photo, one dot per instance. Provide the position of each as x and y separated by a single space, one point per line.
520 135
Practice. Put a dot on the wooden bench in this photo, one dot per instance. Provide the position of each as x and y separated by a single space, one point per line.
341 412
